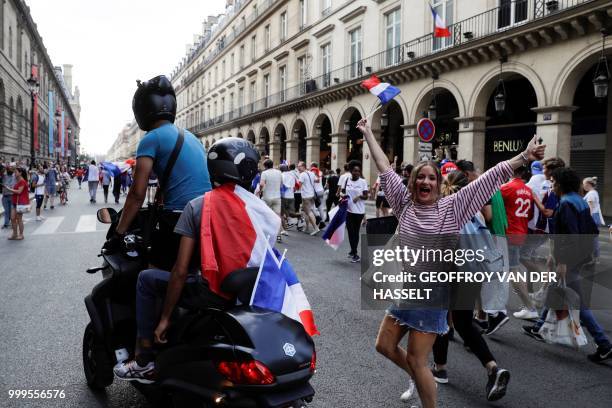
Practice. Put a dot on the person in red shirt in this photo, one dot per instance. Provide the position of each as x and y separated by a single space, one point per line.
21 196
79 175
518 202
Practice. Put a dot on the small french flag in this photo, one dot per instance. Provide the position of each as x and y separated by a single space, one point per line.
440 29
334 234
384 91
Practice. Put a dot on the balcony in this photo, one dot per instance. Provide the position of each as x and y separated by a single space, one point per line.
414 53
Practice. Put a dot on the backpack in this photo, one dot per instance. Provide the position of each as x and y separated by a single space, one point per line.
476 236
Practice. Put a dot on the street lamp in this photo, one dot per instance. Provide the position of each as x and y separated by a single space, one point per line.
347 125
500 94
384 120
432 113
33 86
601 78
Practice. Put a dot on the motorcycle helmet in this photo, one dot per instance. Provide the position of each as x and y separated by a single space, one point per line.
233 160
154 100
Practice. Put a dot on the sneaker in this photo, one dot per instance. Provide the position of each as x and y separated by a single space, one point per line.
407 395
279 239
52 207
497 384
533 332
440 376
350 255
315 232
496 322
355 259
131 371
39 218
526 314
602 354
483 325
283 232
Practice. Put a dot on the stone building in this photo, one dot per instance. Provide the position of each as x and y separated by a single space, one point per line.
126 143
23 59
286 75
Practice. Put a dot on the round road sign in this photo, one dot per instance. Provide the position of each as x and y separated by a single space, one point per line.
426 130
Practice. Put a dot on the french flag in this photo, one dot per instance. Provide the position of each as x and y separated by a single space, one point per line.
334 233
277 288
384 91
440 29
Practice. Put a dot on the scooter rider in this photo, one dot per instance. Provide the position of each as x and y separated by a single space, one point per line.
235 161
154 106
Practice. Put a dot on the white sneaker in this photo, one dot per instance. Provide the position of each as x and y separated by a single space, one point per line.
526 314
283 232
315 232
409 393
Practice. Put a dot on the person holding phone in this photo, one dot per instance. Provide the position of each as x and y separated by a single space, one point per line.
21 198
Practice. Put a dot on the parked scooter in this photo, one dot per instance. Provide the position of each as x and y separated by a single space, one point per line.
241 357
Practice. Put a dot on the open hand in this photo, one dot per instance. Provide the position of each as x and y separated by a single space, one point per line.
534 150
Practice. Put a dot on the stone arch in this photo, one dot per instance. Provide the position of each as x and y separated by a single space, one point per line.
392 134
346 112
318 118
251 136
350 148
477 105
320 146
280 138
423 99
239 135
298 136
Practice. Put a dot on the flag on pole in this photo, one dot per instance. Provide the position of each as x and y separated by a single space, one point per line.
382 90
334 233
440 29
277 288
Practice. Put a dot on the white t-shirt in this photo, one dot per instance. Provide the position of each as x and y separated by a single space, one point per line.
343 179
318 184
40 185
296 176
355 188
307 179
537 185
289 183
592 197
92 174
271 178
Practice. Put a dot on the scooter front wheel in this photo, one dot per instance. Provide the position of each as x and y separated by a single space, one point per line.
96 363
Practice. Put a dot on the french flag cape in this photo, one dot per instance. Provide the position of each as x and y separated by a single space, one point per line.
334 233
382 90
278 288
235 231
440 29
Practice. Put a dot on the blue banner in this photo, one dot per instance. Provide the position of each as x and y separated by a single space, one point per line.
51 123
62 135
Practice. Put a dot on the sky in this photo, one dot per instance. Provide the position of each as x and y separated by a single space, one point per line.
112 43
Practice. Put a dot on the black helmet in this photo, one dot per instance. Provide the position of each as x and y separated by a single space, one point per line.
154 100
233 160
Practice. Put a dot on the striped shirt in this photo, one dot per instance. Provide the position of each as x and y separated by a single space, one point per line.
449 214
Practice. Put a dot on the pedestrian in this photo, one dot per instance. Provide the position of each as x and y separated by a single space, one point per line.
382 205
591 197
8 181
105 176
421 211
79 175
333 179
270 184
287 198
117 184
64 178
356 189
307 189
93 180
406 171
319 193
21 203
39 191
51 179
297 191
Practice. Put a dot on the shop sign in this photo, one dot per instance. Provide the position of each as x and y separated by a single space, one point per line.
589 142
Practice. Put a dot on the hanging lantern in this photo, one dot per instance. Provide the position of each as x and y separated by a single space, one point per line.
500 97
601 78
347 126
432 110
384 120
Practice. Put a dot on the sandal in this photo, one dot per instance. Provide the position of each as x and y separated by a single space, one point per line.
19 238
12 238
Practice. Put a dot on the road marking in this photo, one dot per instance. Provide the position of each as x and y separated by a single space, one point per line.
49 226
87 223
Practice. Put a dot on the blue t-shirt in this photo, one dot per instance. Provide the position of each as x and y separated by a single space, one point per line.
189 177
51 178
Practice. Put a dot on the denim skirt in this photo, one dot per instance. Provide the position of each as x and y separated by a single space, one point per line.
423 320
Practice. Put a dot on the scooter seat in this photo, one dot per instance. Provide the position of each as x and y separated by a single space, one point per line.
240 283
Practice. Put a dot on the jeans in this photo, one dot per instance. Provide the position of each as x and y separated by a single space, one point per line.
7 204
151 287
353 225
93 187
596 239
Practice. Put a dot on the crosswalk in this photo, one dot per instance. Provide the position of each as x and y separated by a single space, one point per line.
63 225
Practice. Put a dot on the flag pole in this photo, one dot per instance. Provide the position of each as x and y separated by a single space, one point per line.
373 112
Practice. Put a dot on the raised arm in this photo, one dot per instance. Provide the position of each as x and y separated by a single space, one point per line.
376 152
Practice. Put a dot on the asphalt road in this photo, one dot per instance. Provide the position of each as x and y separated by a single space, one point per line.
42 317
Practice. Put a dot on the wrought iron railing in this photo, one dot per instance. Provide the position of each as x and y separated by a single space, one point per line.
489 23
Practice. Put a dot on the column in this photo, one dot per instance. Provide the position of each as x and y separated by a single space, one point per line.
554 126
411 145
368 169
472 140
261 148
339 145
313 147
606 191
275 153
292 148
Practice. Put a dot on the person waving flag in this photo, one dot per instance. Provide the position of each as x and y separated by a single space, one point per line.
440 29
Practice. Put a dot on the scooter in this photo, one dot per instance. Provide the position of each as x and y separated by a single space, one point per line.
241 357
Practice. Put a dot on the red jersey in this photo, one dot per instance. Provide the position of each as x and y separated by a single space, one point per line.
518 201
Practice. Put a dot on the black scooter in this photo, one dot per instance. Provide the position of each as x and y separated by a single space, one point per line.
241 357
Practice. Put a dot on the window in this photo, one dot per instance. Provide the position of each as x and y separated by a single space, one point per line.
10 42
215 111
232 64
444 8
303 14
511 12
301 64
326 7
266 89
222 111
392 36
210 81
1 24
253 48
240 99
326 64
223 71
355 52
283 26
241 56
216 75
282 82
253 95
267 38
230 108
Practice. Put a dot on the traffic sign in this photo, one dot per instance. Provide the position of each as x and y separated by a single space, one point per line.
426 130
425 147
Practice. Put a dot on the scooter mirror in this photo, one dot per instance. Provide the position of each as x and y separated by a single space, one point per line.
107 215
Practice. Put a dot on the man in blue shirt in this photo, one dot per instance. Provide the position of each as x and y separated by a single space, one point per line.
154 107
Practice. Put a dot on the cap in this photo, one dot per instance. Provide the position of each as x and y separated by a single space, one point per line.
536 168
448 167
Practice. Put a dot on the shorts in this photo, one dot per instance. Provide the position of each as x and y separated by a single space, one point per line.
381 202
274 204
308 205
51 190
287 206
427 321
164 241
39 200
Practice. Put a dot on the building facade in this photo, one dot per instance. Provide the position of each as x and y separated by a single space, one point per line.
126 143
286 75
23 58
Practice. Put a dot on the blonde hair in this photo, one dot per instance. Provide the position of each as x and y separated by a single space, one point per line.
591 180
455 181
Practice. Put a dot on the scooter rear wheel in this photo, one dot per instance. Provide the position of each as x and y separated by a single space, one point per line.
96 363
